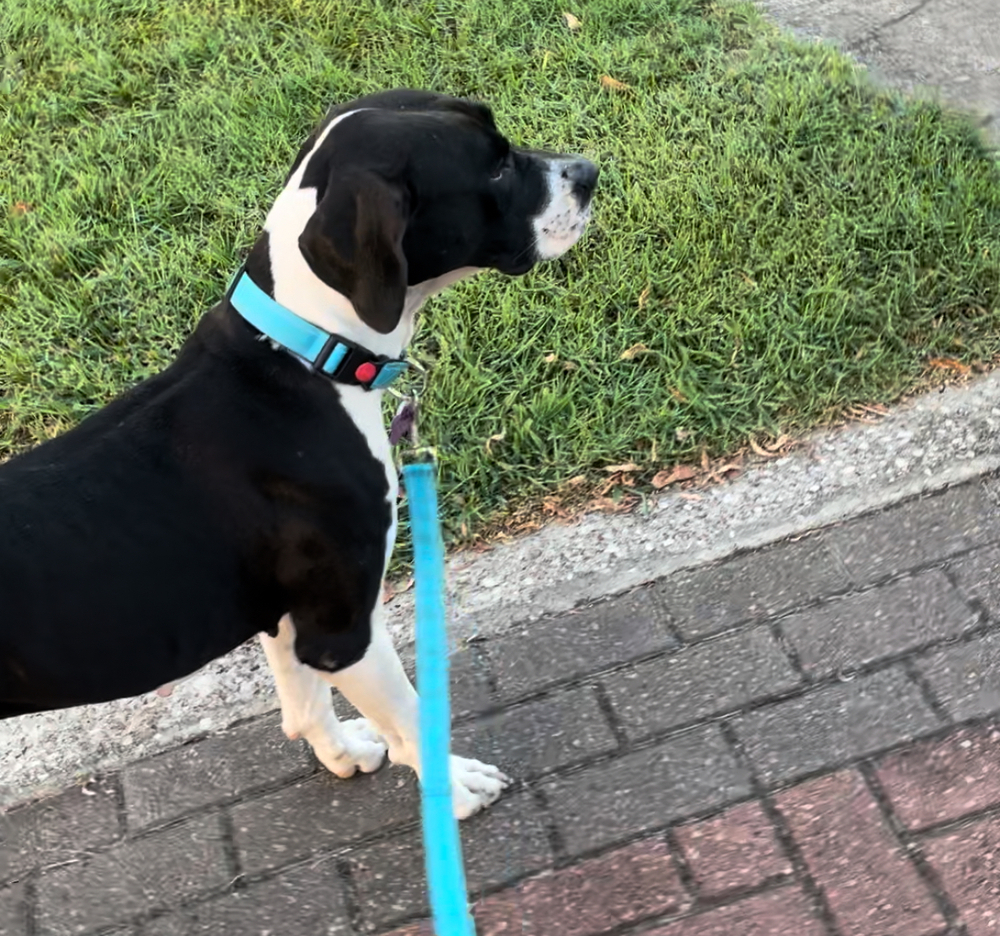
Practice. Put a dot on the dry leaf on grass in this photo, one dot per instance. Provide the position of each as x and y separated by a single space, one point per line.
613 84
607 505
630 354
760 450
553 505
550 358
870 415
680 473
20 208
498 437
572 21
718 475
643 296
628 466
951 364
862 415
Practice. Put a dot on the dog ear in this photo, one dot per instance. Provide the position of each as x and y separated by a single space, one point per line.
354 243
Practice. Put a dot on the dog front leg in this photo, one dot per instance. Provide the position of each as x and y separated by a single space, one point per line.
378 687
307 711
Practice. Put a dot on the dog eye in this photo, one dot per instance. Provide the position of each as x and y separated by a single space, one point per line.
505 164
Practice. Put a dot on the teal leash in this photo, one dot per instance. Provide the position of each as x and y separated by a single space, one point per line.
442 844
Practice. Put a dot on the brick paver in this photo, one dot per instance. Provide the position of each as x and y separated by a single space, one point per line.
321 813
964 677
968 863
919 532
471 691
537 737
716 676
577 643
704 787
978 578
752 587
220 767
632 883
781 912
833 724
871 886
308 899
59 828
736 850
852 632
134 877
691 773
943 780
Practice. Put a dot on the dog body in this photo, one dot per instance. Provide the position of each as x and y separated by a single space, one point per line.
240 492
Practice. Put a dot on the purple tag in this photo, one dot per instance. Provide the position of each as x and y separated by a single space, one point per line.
402 422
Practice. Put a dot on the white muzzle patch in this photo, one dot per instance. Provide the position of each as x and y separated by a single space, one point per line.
561 223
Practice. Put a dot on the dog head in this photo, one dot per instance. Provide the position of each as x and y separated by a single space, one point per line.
403 192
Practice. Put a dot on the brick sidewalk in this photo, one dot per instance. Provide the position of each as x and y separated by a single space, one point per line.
802 740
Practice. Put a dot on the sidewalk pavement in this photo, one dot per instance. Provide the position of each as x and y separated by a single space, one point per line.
799 740
946 47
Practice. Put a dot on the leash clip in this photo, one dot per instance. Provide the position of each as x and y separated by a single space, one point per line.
404 426
404 423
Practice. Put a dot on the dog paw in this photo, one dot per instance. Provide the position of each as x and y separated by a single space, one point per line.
357 747
475 785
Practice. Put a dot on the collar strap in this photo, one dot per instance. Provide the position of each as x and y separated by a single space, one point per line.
328 354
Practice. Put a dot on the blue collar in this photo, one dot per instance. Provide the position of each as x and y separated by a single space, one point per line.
331 355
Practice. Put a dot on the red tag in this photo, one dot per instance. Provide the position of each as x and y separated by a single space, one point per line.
366 372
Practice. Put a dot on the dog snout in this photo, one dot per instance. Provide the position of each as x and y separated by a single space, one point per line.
582 175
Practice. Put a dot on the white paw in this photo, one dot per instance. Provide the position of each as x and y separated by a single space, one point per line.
357 746
474 785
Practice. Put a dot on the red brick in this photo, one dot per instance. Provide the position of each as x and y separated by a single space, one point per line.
940 781
737 850
629 884
784 912
869 883
968 863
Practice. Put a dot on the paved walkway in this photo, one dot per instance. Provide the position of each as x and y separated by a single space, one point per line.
801 740
946 47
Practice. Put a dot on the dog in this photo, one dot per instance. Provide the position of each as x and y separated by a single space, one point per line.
249 488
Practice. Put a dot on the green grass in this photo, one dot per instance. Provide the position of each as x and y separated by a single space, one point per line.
780 239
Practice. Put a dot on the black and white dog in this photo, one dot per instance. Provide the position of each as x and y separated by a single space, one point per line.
249 489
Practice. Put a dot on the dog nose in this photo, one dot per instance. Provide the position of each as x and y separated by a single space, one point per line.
582 174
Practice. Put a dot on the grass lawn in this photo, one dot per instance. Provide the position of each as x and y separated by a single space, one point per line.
774 241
